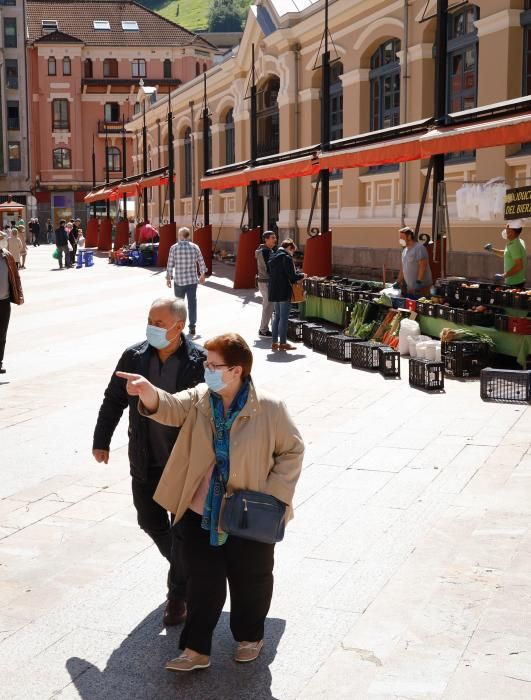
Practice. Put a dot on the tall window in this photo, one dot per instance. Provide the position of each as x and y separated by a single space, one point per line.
67 66
384 77
197 68
110 68
10 32
526 73
114 160
187 184
13 156
166 68
336 101
11 73
87 68
13 115
139 68
111 112
230 155
268 118
60 115
62 159
52 66
462 59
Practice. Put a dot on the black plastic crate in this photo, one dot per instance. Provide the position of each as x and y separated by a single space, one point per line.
423 308
426 374
477 295
448 313
320 338
339 347
500 322
389 362
506 385
295 327
366 355
503 297
464 358
307 330
522 300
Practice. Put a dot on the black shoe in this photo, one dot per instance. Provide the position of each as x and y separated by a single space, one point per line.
265 334
175 612
192 330
2 370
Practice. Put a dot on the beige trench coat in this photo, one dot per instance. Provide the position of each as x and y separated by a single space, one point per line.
266 449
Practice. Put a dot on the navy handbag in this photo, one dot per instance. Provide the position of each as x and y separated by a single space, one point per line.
253 515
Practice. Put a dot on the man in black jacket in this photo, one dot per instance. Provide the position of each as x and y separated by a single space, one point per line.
61 241
171 362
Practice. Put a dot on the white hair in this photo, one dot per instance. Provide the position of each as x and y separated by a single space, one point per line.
184 231
176 307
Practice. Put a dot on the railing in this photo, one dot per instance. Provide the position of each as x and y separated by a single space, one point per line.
105 127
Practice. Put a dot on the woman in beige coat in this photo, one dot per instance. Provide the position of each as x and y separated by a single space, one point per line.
233 436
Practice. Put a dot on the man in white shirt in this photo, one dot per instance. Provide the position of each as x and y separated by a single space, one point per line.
186 267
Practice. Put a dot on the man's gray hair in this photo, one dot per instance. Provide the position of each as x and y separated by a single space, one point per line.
184 231
176 307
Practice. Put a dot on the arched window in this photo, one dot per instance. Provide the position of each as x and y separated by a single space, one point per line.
230 155
52 66
62 159
268 118
336 101
114 159
110 68
166 68
187 145
87 68
384 77
67 66
139 68
462 66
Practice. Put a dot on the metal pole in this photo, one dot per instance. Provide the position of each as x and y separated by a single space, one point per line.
124 166
325 129
144 157
253 187
441 52
93 176
107 201
171 162
206 163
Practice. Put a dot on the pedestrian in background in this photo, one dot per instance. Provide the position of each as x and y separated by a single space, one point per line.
262 254
49 231
22 236
172 363
15 247
10 293
61 241
233 437
282 276
186 267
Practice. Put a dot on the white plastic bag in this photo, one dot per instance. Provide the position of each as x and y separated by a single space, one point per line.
408 329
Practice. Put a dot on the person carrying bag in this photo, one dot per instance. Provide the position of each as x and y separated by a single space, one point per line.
238 454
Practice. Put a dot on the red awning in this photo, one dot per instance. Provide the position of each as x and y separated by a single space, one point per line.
153 181
101 194
383 153
297 167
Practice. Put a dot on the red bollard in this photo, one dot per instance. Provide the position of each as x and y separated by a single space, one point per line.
91 239
318 255
203 238
122 234
105 236
168 236
245 273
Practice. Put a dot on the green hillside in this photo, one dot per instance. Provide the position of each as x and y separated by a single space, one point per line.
192 14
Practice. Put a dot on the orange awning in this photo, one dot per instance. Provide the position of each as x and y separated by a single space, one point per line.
127 188
154 181
97 195
296 167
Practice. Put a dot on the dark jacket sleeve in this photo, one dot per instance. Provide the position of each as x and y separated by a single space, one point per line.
266 254
115 401
292 275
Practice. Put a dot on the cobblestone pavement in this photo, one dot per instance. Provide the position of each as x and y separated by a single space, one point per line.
405 574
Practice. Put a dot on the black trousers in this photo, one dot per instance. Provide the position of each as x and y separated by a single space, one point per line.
155 521
5 313
248 567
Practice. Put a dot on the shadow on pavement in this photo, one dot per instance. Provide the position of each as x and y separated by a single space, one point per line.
246 295
135 670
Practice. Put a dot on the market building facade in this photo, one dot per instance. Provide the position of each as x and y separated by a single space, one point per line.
382 75
86 62
14 143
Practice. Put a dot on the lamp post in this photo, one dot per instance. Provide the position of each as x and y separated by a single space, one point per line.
325 128
254 205
206 143
124 165
144 156
93 176
171 162
107 201
441 58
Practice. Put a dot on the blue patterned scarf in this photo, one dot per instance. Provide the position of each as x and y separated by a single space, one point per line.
220 475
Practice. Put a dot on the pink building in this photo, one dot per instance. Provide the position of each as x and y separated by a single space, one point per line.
86 61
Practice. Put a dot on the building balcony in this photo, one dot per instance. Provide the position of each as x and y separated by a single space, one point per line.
105 127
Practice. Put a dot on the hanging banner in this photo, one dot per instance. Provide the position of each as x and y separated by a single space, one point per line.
518 203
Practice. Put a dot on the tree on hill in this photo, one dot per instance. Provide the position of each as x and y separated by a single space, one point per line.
225 16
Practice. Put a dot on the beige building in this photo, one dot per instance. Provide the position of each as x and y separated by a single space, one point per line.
382 75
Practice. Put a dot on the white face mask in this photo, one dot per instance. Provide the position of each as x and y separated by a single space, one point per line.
504 234
402 242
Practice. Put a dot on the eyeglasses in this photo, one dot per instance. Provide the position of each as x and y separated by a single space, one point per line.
212 366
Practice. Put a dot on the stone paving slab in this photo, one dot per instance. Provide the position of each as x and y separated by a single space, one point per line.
405 573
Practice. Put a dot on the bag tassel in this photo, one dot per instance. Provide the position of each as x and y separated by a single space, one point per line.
244 516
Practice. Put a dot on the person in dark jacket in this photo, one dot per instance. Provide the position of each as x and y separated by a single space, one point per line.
10 293
61 241
174 363
282 275
73 236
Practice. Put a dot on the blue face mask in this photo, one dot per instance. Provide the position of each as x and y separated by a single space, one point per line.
156 336
213 379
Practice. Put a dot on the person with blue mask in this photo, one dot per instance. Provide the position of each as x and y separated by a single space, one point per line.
172 362
234 436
